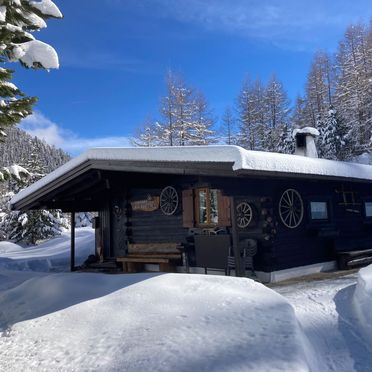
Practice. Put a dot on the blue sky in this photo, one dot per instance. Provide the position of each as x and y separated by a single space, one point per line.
114 55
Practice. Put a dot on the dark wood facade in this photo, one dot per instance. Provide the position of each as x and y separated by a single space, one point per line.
279 247
211 198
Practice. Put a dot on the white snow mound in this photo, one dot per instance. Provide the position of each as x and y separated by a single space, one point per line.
143 322
52 255
362 302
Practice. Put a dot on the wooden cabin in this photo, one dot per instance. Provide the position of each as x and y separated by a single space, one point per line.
224 208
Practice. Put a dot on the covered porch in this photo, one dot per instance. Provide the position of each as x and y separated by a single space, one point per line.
133 229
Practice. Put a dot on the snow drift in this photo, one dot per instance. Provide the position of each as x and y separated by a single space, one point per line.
82 321
52 255
362 302
140 322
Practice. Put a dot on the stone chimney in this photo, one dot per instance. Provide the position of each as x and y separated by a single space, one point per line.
305 141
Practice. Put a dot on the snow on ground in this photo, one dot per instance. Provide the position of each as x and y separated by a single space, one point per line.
152 321
362 303
325 312
136 322
52 255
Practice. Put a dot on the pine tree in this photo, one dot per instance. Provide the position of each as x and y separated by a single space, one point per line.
248 108
168 110
319 87
39 158
227 129
286 141
353 91
203 121
148 135
18 145
300 119
36 225
184 103
83 219
18 20
186 118
13 105
276 113
336 143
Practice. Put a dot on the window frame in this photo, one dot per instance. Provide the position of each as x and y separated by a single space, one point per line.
207 191
365 201
316 220
313 223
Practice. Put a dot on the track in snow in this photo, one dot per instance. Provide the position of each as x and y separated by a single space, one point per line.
324 311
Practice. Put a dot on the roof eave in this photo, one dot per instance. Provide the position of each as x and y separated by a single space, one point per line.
196 168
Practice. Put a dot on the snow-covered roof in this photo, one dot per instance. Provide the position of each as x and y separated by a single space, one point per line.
243 161
307 130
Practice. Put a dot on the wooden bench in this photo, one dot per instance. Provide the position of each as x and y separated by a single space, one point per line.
166 255
353 252
351 259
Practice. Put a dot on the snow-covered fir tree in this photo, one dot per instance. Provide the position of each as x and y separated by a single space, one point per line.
13 105
343 82
19 20
37 225
286 143
83 219
335 137
18 145
39 159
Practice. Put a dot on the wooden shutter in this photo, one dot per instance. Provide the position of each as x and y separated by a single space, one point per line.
224 215
188 208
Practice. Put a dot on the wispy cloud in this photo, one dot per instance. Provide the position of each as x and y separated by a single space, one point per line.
40 126
103 60
276 21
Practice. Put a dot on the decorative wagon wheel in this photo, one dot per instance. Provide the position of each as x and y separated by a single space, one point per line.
244 214
168 200
291 208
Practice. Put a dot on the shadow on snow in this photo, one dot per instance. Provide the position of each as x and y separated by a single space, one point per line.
348 326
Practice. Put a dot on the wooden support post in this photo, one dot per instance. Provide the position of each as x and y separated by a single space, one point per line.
72 257
235 240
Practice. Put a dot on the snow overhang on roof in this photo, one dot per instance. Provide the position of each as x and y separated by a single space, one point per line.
242 162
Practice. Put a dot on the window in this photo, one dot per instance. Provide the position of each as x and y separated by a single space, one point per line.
319 210
368 209
206 207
